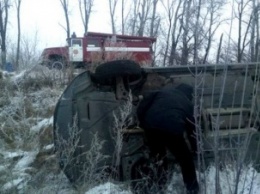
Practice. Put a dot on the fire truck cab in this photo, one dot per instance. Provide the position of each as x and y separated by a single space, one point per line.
99 47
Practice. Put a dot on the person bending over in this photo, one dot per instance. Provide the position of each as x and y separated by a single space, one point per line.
166 116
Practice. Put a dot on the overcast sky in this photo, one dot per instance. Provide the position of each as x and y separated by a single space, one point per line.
46 18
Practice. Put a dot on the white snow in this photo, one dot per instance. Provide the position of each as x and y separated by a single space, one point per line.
48 147
18 77
9 155
42 124
2 168
26 160
249 183
108 188
13 183
7 74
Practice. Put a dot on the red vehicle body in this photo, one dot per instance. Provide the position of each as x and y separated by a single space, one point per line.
96 47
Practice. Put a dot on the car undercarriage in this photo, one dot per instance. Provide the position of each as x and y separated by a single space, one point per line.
101 106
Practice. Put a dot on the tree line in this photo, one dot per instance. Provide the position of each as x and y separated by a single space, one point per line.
187 31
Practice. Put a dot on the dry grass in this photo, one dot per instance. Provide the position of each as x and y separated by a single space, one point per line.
32 99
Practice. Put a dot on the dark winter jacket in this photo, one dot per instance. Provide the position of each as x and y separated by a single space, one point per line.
168 110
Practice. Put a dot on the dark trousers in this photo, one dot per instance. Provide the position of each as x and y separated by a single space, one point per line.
158 141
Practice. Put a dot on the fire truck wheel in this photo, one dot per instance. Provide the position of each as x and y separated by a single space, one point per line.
57 64
120 68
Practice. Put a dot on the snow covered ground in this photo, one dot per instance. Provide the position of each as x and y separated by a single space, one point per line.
248 183
27 162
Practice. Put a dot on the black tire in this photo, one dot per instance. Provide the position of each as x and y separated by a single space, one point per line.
125 68
57 64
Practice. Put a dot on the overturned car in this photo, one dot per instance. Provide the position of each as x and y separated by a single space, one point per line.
96 129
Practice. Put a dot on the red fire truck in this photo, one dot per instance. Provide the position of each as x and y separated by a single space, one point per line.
97 47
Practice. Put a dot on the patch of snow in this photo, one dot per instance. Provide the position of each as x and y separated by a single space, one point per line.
11 184
249 183
66 191
2 168
18 77
42 124
176 183
48 147
7 74
18 172
10 155
27 159
108 188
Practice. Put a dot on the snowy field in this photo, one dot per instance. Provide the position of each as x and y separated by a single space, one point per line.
29 165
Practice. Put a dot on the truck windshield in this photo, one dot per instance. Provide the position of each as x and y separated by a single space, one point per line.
76 42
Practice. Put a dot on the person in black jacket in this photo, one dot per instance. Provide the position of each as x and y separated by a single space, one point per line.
166 115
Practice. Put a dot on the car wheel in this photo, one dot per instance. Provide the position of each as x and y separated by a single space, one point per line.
57 64
106 72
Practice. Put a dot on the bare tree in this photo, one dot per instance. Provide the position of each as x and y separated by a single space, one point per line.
245 13
255 39
154 24
185 22
175 34
257 23
172 36
242 43
219 49
18 8
126 8
85 8
29 50
4 13
207 19
134 18
123 16
168 9
143 15
145 19
190 31
65 7
196 32
112 10
214 22
140 14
